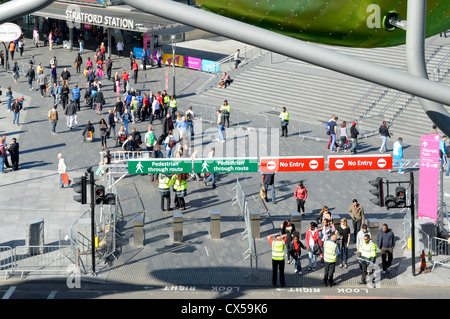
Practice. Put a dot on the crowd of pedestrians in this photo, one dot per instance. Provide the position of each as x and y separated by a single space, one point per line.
330 245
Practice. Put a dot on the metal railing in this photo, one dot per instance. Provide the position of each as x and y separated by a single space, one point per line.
227 63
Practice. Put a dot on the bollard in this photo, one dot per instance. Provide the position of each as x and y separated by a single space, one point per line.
373 225
296 220
138 227
215 225
178 228
336 219
255 224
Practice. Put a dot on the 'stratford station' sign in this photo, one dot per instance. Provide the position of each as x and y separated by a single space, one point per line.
107 21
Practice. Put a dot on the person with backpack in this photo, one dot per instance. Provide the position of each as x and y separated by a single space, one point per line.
169 144
16 108
53 118
150 138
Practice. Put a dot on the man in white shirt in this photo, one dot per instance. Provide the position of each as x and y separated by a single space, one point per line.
155 110
237 61
398 154
62 169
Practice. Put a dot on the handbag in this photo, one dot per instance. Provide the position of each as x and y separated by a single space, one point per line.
316 248
262 192
65 178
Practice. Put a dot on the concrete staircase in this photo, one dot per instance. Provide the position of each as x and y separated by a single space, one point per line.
314 93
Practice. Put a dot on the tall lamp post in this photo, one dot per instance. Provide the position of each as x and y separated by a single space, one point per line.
174 45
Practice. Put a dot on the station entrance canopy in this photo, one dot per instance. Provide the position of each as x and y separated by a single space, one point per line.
120 17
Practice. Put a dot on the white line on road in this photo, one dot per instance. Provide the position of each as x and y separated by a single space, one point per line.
52 294
9 292
207 251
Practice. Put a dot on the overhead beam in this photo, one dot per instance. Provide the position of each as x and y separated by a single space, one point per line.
16 9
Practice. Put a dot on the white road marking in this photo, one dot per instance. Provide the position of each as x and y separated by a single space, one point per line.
52 294
9 292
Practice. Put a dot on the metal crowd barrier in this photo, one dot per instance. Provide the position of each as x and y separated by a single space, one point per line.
6 260
250 253
42 259
442 248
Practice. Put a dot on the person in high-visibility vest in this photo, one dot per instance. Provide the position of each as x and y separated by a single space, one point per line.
330 256
367 256
226 110
284 119
173 105
180 188
164 190
278 244
166 100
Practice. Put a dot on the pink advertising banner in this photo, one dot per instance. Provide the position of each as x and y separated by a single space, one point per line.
192 63
429 177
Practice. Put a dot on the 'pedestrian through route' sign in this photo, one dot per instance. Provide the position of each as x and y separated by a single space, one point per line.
160 166
226 165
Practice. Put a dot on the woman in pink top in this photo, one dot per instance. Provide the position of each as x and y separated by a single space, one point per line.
300 195
89 63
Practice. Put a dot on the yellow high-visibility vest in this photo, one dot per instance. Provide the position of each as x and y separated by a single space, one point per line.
164 183
278 248
329 252
284 116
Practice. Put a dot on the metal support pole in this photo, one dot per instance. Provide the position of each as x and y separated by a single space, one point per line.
415 52
91 179
109 42
173 62
413 218
152 48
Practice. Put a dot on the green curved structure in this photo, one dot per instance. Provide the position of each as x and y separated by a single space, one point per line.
353 23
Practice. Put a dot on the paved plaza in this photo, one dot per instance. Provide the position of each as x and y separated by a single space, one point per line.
32 192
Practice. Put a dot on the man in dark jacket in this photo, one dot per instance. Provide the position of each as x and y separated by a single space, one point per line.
269 179
167 126
354 138
31 76
65 76
386 243
70 112
384 134
13 150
